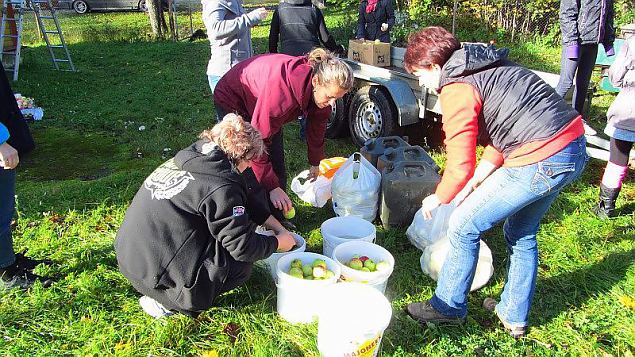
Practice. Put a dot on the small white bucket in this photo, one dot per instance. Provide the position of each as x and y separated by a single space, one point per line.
299 300
377 279
270 263
352 320
338 230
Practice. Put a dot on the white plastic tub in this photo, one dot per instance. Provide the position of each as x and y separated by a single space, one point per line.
376 279
352 320
270 263
338 230
299 300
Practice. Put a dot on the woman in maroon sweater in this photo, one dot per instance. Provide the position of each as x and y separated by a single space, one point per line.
272 90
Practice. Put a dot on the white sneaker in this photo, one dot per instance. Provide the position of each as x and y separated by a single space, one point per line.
153 308
589 130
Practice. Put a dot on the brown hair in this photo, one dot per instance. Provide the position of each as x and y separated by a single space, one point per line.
432 45
330 69
236 137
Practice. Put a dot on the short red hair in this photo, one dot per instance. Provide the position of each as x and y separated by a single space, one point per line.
432 45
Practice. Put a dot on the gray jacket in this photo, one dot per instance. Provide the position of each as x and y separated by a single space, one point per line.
587 22
621 113
228 30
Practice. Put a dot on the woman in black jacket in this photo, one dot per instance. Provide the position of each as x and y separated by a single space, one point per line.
376 18
189 233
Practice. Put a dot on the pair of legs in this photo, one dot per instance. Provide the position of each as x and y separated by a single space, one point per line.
238 274
579 69
614 174
520 196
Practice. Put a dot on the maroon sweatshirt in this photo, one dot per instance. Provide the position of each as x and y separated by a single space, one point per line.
272 90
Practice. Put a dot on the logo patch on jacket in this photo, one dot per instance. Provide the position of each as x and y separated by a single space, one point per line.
238 211
167 181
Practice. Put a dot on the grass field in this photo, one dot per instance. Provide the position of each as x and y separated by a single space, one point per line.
73 191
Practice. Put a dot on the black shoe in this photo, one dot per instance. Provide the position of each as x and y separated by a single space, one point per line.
27 263
606 207
424 312
14 276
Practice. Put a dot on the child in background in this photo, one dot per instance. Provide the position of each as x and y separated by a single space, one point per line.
620 127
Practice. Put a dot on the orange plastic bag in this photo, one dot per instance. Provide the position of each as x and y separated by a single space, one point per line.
328 167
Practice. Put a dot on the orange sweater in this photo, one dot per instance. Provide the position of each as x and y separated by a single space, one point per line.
461 105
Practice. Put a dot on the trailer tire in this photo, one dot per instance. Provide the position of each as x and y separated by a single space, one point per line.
337 125
371 114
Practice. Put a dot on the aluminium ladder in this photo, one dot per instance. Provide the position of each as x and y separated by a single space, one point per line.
13 20
50 30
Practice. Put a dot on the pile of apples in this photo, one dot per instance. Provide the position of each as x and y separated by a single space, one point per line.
364 263
24 102
313 271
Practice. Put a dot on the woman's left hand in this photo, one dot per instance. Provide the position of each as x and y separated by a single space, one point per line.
384 27
428 205
314 172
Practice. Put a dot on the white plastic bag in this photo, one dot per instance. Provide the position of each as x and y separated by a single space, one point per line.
316 193
423 233
434 256
355 188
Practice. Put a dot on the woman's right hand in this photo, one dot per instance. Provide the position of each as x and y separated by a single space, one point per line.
261 13
285 241
9 157
280 199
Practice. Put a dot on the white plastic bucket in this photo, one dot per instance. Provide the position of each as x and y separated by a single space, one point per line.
377 279
270 263
338 230
299 300
352 320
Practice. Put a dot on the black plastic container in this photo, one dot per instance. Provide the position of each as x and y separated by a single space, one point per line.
404 184
374 148
408 153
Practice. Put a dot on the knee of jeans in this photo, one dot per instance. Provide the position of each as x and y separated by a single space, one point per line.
463 231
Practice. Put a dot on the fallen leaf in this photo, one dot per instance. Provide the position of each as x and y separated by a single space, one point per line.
627 301
210 353
232 330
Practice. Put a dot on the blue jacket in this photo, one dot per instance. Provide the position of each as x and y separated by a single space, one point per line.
4 133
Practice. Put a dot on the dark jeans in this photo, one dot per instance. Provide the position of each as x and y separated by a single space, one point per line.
7 206
580 68
620 150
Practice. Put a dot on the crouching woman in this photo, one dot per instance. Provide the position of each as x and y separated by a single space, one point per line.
189 233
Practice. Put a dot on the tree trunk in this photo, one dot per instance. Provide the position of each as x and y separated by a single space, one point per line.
157 23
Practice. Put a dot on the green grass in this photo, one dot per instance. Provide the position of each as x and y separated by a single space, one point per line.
91 158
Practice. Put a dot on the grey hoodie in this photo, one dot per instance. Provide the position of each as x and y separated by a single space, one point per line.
621 114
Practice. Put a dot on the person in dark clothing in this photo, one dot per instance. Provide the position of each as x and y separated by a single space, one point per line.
584 25
272 90
15 141
300 27
376 18
189 233
535 147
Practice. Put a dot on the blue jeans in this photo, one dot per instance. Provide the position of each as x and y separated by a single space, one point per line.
580 69
520 196
213 81
7 205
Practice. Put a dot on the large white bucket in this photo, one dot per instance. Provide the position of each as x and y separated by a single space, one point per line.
352 321
377 279
271 263
299 300
338 230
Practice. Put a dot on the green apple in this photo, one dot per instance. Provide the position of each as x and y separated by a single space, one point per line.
356 264
319 262
370 264
290 213
319 272
296 273
296 263
365 269
307 270
329 274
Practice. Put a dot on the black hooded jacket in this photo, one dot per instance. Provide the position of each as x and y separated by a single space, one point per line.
300 26
189 221
369 24
518 106
12 118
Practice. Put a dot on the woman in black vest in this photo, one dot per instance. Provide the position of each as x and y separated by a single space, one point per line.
376 18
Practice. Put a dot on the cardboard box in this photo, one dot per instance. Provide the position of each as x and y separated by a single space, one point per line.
369 52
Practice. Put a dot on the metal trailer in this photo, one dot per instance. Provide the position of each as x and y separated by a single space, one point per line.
386 100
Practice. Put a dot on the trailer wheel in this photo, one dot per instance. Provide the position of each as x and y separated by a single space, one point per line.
371 115
337 126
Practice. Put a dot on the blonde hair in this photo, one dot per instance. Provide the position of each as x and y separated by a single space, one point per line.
236 137
329 69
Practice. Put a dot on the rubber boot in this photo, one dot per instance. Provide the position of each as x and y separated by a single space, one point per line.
606 206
